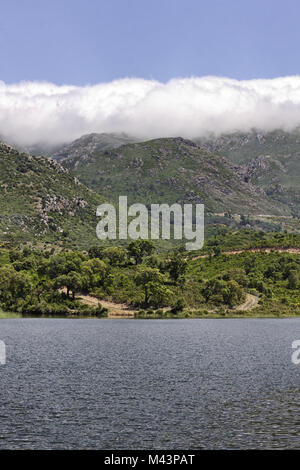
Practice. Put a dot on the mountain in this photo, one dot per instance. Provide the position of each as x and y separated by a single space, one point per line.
270 160
33 149
84 146
243 147
89 144
171 170
40 200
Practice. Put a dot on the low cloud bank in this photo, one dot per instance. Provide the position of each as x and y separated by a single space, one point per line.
34 112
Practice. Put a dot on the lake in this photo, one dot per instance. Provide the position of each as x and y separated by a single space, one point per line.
149 384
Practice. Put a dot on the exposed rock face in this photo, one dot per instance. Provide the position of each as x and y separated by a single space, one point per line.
39 197
270 160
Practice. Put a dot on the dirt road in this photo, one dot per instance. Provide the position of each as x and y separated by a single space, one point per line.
250 303
295 251
114 309
124 310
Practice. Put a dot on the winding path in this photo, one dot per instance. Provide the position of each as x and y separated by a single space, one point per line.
295 251
250 303
114 309
125 311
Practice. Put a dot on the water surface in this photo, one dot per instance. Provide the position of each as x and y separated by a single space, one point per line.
149 384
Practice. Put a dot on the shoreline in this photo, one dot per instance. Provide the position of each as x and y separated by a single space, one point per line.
10 316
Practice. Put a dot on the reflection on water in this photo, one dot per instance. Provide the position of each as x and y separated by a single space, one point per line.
118 384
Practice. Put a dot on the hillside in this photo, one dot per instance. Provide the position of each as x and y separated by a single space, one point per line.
41 201
84 146
171 170
243 147
271 160
87 145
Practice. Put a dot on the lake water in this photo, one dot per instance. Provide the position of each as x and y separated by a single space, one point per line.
149 384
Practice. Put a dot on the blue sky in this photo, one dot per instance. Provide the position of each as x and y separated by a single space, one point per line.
87 42
151 68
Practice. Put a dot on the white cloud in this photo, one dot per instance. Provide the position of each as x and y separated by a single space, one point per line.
34 112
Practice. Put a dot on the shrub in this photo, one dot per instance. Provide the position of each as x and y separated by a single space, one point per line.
179 306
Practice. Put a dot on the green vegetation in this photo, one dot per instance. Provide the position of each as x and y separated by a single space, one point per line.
270 160
214 284
40 202
33 283
171 170
87 145
221 238
249 265
43 205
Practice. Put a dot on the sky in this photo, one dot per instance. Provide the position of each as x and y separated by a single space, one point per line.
83 42
111 65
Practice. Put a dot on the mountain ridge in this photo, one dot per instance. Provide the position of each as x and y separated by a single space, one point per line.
88 144
270 160
171 170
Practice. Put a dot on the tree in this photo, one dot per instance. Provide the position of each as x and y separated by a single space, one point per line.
137 249
213 290
233 294
42 286
94 272
236 274
151 280
217 250
179 306
14 255
13 286
177 267
219 291
155 261
115 255
160 295
291 266
95 252
64 263
293 280
72 282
